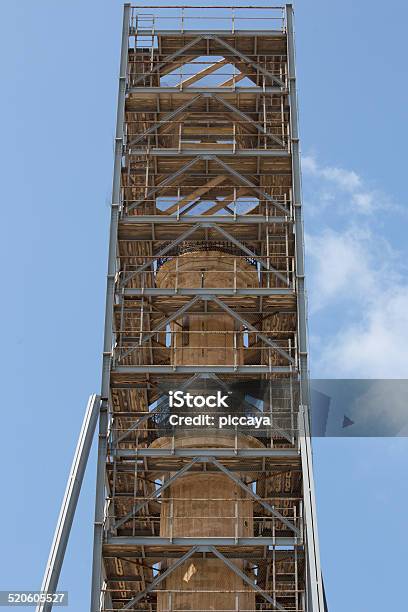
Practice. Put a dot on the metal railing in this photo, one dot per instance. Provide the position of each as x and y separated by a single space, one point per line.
213 17
223 271
135 202
180 137
210 348
144 64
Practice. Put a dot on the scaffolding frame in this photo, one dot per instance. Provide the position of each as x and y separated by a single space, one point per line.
175 133
206 158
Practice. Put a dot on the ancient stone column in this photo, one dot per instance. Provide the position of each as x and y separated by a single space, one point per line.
206 504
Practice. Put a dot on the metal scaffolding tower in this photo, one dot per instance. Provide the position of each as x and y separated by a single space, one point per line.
206 278
205 288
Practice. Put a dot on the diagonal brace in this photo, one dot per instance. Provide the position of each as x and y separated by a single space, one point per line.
245 249
246 579
163 324
259 499
165 182
169 58
246 323
146 417
246 117
227 309
156 493
194 197
247 60
248 183
169 117
163 251
160 578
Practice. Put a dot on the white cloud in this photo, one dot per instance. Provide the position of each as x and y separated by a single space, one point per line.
357 280
364 201
309 164
345 179
356 276
349 181
376 346
341 266
335 181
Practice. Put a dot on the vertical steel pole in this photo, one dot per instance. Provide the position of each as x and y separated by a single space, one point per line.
108 334
69 502
315 594
315 600
297 207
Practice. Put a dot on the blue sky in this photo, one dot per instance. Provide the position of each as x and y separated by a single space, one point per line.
59 72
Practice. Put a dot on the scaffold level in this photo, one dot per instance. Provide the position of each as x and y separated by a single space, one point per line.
205 287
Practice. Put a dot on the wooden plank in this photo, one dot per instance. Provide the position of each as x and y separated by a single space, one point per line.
234 79
205 72
225 202
206 131
194 195
184 59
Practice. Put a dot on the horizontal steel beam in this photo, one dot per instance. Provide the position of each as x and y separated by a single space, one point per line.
195 89
158 466
278 453
204 291
169 369
157 541
220 219
188 33
162 152
232 553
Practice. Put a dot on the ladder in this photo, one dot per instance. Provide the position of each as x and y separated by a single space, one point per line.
145 39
